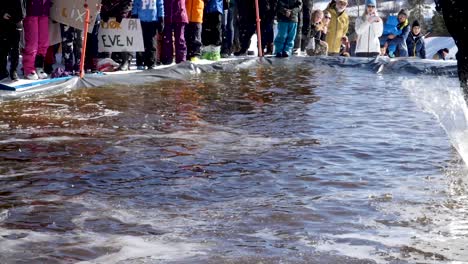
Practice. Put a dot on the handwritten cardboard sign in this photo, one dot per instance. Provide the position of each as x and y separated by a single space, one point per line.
124 36
73 13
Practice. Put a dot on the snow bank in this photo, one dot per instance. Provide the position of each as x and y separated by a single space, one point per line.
433 44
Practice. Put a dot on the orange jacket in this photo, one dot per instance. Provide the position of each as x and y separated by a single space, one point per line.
195 10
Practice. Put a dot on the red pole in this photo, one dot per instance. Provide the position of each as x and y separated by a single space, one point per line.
259 32
85 39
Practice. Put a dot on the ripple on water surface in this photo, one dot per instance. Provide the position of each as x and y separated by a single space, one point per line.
267 165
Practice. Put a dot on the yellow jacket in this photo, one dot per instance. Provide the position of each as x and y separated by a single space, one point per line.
337 29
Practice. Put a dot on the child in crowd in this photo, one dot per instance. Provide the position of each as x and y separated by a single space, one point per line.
12 13
317 45
369 27
193 31
36 38
175 19
415 42
287 16
71 48
151 15
211 32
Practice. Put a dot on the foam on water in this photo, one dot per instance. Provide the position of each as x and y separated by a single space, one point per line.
443 98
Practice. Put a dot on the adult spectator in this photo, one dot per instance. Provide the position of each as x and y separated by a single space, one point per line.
338 27
369 27
393 40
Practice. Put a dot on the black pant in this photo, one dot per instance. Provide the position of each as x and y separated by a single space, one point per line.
307 9
266 25
148 58
211 32
9 45
193 39
246 30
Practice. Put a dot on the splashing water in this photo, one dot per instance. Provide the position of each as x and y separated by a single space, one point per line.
443 98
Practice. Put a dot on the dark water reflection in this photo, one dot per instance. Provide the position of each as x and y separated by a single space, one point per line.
266 165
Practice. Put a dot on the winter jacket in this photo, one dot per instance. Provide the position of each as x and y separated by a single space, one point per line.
294 5
148 11
416 46
15 8
195 10
37 7
368 35
175 12
115 8
214 6
394 27
337 28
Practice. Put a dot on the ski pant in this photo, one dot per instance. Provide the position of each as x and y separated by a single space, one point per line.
193 37
298 37
228 31
36 36
148 57
246 30
168 44
9 46
266 26
211 32
284 41
307 9
92 46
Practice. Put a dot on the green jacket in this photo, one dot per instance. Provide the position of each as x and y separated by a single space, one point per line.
293 5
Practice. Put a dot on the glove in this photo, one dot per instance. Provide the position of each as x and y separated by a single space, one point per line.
160 25
118 19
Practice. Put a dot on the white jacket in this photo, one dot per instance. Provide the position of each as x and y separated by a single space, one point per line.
368 35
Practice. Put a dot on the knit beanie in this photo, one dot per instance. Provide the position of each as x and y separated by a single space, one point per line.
403 12
371 2
415 24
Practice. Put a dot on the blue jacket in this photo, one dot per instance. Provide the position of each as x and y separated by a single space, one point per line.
416 46
148 11
394 27
214 6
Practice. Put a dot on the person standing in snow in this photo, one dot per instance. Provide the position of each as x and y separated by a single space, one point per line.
175 20
369 27
338 27
393 40
151 15
287 16
193 31
415 42
36 38
211 32
118 9
11 22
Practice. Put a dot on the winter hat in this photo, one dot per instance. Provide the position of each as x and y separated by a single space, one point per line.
403 12
415 24
371 2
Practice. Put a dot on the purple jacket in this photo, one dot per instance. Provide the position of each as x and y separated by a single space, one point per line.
175 12
38 7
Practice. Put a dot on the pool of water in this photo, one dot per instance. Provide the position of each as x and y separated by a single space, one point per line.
289 163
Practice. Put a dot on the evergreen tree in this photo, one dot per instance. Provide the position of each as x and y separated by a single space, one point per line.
438 26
